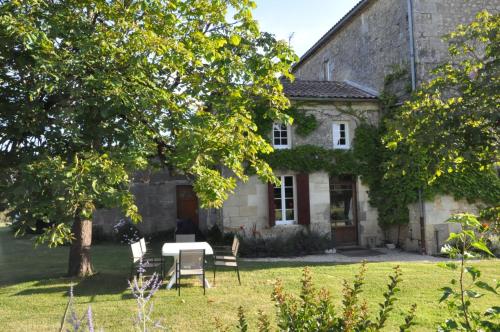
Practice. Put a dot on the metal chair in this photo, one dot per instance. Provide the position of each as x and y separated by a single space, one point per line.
139 259
227 256
190 263
185 238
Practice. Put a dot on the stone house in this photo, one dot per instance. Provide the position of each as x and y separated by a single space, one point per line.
346 68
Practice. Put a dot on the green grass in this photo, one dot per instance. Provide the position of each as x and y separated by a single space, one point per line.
33 290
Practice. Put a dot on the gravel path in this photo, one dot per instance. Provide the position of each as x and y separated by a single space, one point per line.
386 256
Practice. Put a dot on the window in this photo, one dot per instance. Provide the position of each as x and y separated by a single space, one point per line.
326 70
281 136
284 201
341 135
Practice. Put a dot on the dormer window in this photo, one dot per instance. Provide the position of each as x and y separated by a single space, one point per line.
281 136
341 135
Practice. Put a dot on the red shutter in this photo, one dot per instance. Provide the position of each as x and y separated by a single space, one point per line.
303 209
270 200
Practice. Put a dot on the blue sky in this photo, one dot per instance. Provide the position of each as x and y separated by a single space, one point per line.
307 19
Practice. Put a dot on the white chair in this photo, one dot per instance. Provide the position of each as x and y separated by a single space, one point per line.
190 263
139 259
185 238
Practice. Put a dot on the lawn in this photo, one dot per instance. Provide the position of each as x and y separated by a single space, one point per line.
33 290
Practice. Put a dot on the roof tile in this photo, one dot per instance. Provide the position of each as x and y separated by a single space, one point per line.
324 89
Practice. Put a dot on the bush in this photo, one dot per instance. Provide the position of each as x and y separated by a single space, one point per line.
461 292
313 310
126 232
299 244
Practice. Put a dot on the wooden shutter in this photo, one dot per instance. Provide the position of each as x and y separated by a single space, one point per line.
270 203
303 202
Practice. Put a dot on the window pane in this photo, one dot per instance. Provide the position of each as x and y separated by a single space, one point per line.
284 141
342 141
289 214
283 127
342 127
289 203
288 181
277 204
288 192
277 192
278 215
277 141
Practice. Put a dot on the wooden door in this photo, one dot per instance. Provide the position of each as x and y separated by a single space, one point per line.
343 211
187 203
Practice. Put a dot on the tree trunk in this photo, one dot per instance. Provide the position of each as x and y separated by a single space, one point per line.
80 264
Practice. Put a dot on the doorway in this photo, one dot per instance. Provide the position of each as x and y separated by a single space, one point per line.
187 204
343 211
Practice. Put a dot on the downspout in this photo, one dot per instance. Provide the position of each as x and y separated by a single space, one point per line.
413 71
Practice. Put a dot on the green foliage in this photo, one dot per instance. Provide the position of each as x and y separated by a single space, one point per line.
445 139
299 244
313 158
451 123
91 91
314 311
460 294
303 122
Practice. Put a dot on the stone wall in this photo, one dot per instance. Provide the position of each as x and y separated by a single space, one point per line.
246 211
435 18
155 196
369 232
436 228
366 48
327 113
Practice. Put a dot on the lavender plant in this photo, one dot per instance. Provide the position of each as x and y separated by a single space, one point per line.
142 289
71 320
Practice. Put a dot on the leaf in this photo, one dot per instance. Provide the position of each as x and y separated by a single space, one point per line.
482 246
449 265
472 294
474 272
447 291
493 311
485 286
234 40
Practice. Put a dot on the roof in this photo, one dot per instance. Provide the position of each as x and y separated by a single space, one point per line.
361 4
302 89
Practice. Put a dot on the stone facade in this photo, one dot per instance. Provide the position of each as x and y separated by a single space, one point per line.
436 229
366 48
246 211
376 39
435 18
155 196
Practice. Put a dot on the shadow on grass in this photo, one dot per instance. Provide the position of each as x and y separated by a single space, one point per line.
98 284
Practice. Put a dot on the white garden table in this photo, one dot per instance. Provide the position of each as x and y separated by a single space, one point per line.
173 248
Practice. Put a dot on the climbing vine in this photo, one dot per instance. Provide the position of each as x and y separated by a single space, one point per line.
390 192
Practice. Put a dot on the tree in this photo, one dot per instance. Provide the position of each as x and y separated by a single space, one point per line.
452 122
93 90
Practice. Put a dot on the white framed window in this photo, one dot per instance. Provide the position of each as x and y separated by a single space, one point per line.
341 135
285 201
281 136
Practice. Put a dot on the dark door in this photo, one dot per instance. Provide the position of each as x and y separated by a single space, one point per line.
343 210
187 204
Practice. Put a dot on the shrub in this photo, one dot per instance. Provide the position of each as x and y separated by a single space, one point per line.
301 243
126 232
313 310
460 294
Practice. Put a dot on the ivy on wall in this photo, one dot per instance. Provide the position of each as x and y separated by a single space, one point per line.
389 193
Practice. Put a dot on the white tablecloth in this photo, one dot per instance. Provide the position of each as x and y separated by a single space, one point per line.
173 248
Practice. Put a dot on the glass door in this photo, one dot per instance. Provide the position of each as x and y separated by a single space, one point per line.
343 209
